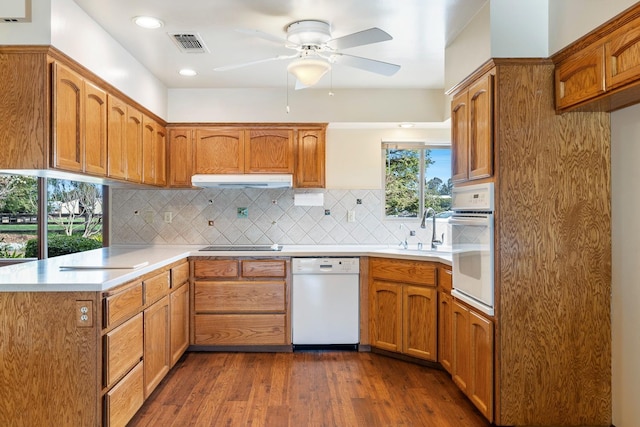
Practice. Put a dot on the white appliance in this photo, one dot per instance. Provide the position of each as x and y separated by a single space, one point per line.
325 302
472 230
251 180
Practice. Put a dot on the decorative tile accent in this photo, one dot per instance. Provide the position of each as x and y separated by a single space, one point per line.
272 218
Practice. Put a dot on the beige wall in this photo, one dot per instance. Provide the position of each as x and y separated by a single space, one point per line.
354 156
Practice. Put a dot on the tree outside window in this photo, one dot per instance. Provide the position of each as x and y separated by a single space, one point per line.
416 177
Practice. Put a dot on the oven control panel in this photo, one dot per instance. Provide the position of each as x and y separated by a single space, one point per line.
478 197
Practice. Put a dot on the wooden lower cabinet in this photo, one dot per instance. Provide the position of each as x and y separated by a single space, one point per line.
241 302
123 401
403 316
157 359
472 368
179 308
445 333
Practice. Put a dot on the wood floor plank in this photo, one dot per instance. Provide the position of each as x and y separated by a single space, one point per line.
318 388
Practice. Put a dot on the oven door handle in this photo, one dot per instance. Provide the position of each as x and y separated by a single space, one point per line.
481 220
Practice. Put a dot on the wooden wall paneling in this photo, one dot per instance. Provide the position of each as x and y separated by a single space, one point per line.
24 130
553 251
44 349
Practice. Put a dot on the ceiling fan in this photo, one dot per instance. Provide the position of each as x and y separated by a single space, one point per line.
316 51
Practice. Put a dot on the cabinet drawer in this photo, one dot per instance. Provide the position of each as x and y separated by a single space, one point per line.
240 296
156 287
179 275
123 401
418 272
240 329
123 304
122 349
264 268
216 268
444 279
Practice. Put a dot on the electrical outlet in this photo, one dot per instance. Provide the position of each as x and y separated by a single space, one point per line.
168 217
351 216
84 314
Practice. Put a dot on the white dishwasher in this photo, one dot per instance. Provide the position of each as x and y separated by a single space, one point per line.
325 303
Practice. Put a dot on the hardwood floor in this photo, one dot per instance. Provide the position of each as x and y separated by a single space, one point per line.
305 389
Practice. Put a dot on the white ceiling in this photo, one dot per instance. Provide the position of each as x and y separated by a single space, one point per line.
420 31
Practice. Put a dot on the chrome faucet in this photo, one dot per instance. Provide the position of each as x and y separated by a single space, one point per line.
425 215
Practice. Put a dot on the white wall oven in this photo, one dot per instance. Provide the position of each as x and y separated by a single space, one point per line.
472 229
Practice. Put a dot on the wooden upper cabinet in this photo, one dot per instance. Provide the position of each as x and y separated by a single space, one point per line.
133 145
268 151
472 130
80 123
481 127
117 138
153 152
68 103
95 130
622 56
310 159
219 151
460 137
180 157
580 77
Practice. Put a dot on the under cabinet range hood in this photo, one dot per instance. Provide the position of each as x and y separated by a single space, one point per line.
242 181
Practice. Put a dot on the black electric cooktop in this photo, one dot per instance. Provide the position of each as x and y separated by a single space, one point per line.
222 248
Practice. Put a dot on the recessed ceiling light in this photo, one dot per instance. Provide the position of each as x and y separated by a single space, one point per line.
188 72
406 125
148 22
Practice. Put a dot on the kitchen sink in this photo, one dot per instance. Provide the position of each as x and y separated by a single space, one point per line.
239 248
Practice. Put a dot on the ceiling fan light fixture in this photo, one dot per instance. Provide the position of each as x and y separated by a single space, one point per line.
308 71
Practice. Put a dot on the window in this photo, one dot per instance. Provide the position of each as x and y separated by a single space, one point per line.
417 176
69 215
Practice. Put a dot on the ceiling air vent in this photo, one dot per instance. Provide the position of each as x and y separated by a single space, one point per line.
189 42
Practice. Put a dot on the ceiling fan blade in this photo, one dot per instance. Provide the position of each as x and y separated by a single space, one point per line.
259 61
372 35
372 65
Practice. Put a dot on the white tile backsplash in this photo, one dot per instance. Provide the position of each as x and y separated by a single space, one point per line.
273 218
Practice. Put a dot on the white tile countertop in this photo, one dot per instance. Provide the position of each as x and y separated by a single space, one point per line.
102 269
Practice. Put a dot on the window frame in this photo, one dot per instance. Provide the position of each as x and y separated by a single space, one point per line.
421 145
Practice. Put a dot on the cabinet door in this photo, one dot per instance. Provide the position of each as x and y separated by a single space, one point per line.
461 369
117 138
419 329
481 128
622 56
160 156
68 100
133 146
310 164
123 349
219 151
180 157
95 130
123 401
148 150
445 333
386 315
480 389
460 137
268 151
580 77
157 358
179 307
